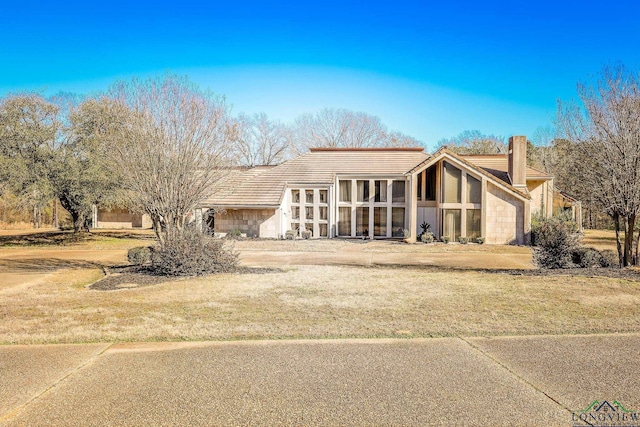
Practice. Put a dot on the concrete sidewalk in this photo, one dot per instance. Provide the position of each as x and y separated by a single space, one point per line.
445 381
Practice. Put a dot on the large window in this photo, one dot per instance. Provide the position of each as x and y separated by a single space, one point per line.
430 187
310 211
363 190
345 191
452 183
362 221
474 190
452 223
380 221
398 191
322 212
397 222
473 223
381 191
344 221
295 212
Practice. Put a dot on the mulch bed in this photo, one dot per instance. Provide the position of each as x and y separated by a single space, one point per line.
133 277
615 273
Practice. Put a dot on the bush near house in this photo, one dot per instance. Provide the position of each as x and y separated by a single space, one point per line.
556 240
463 240
427 237
193 253
445 239
140 255
558 246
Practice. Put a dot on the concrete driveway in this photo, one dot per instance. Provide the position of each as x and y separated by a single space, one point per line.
447 381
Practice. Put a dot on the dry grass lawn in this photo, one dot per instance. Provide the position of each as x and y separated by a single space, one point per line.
44 297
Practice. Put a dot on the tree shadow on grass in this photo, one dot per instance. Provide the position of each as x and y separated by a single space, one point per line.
61 238
43 265
133 277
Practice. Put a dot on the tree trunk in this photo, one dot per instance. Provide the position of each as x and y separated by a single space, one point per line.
636 260
628 240
616 220
55 213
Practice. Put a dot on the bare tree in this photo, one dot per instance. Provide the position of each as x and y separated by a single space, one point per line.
261 141
171 148
343 128
604 135
474 142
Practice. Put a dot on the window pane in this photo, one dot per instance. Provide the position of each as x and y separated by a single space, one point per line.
474 189
295 196
363 191
323 230
309 227
397 222
452 224
308 212
452 182
309 196
345 191
430 190
419 178
322 211
295 212
344 221
473 223
381 191
380 222
324 196
398 192
362 221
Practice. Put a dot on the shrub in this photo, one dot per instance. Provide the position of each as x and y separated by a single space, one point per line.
587 257
479 240
289 235
463 240
140 255
427 237
609 258
556 241
234 234
193 253
445 239
306 234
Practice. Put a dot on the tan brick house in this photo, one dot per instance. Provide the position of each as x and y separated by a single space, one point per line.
385 193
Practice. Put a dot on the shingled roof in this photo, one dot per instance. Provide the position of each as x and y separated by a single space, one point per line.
265 186
498 166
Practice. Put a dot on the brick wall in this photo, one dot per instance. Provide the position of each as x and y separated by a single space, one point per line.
504 217
252 222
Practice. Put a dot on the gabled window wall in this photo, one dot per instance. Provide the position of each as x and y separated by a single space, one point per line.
461 203
309 210
378 209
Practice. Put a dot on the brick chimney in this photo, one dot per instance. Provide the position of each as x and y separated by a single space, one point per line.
518 161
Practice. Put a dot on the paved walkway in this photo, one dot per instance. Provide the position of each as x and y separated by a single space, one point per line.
448 381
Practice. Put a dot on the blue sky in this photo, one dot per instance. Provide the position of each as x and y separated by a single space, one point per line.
428 69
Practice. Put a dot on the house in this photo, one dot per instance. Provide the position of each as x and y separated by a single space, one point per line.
118 218
380 193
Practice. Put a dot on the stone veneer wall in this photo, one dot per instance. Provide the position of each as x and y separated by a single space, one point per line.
252 222
504 217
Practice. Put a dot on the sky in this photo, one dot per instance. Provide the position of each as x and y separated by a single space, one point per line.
428 69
